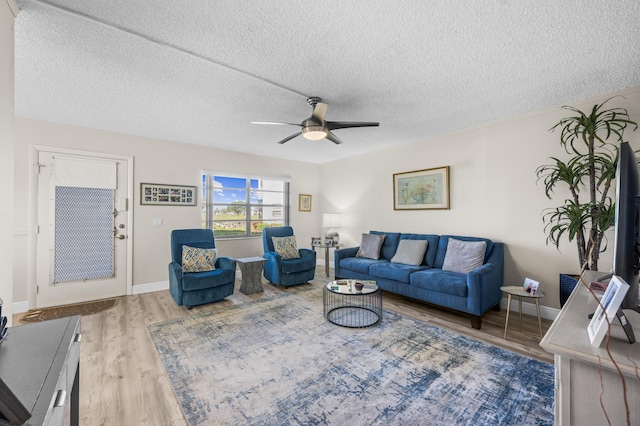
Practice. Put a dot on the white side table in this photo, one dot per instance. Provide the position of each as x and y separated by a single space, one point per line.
520 293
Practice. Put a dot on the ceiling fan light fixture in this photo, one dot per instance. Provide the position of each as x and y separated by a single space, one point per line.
314 133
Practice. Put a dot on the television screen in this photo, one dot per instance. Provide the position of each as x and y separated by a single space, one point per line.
627 236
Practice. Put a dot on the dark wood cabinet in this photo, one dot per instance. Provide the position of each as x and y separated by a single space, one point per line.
40 363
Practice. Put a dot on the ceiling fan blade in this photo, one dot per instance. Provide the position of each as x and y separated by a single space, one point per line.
333 138
332 125
278 123
288 138
319 112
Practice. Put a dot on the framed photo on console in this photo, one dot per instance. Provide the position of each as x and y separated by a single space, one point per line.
607 310
421 189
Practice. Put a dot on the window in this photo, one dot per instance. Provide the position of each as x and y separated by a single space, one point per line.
242 206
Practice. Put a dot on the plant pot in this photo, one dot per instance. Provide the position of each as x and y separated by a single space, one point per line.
567 283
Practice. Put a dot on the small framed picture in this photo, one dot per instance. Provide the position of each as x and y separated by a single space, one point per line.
531 286
304 203
316 241
607 309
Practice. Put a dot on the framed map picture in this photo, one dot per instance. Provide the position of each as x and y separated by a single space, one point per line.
421 189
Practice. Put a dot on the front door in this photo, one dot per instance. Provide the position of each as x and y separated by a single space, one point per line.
82 228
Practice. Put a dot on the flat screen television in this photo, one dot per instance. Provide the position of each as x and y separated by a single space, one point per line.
626 255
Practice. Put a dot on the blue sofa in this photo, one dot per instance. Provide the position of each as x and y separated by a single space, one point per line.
473 293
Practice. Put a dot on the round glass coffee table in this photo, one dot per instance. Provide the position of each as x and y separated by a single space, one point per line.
348 305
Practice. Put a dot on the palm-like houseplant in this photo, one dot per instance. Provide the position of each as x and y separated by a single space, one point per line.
592 141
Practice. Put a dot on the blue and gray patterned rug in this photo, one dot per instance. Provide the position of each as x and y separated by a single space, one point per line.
277 361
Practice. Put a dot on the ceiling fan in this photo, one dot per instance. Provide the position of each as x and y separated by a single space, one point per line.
315 127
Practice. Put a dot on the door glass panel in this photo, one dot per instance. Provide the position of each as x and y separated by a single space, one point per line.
84 242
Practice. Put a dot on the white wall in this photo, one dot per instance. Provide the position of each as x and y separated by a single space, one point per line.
155 161
494 192
7 18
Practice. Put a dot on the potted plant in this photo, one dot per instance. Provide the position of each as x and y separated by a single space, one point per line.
591 140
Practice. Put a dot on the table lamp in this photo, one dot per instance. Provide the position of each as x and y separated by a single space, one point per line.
331 221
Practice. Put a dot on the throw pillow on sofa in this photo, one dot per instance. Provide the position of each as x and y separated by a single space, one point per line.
286 247
463 256
370 246
198 259
410 252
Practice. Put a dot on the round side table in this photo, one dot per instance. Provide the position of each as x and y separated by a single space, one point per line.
520 293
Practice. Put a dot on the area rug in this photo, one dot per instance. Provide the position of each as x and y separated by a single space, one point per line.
277 361
55 312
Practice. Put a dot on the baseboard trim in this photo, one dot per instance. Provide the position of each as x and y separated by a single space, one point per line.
529 308
20 307
150 287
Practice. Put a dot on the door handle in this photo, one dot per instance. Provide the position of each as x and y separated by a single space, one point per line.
122 237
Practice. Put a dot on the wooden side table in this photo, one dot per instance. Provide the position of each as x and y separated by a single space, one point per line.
520 293
251 268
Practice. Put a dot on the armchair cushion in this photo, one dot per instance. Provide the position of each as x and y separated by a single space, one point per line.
286 247
198 259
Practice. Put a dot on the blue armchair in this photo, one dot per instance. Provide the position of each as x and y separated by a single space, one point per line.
196 288
286 272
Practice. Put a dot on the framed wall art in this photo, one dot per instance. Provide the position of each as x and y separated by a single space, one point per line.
421 189
304 202
159 194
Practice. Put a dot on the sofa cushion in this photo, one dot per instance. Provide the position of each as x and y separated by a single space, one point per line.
441 281
463 256
286 247
444 242
359 264
432 246
370 246
198 259
390 243
393 271
410 252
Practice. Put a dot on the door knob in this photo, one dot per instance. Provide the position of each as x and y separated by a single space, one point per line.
121 237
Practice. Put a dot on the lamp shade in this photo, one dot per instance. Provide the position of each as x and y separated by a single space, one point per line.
331 220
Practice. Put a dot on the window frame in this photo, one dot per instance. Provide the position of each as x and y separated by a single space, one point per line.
209 202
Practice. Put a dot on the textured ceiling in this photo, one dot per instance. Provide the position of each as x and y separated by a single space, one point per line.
200 71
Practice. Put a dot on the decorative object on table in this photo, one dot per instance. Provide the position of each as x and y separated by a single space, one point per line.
531 286
167 195
331 221
358 285
606 310
304 203
486 385
316 241
591 140
421 189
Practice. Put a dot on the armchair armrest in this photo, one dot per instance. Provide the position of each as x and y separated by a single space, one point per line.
307 253
226 263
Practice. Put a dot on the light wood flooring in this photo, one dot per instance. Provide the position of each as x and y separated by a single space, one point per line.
122 381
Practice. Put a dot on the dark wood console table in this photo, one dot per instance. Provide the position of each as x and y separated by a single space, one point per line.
40 363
